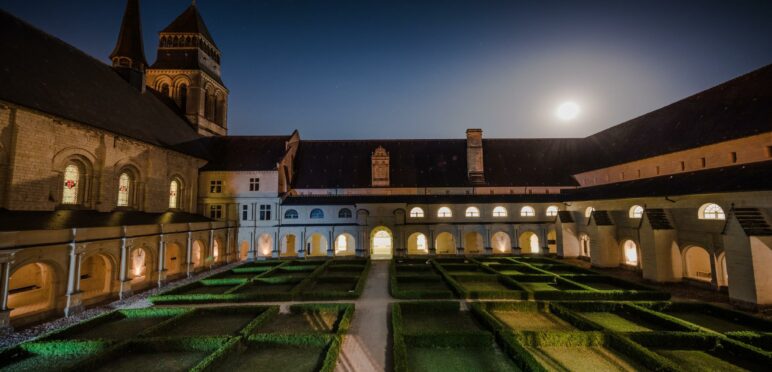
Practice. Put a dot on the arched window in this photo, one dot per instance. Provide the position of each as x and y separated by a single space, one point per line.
184 98
291 214
444 212
552 211
527 211
416 213
317 213
711 211
636 211
72 178
499 211
344 213
207 105
588 212
174 192
124 185
165 89
421 243
340 243
472 212
631 253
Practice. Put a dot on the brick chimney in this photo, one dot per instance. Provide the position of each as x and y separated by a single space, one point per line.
474 156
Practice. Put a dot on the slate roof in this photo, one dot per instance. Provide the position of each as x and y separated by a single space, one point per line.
67 219
44 73
242 153
130 37
749 177
737 108
418 199
190 21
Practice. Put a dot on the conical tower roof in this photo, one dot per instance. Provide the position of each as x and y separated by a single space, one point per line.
130 38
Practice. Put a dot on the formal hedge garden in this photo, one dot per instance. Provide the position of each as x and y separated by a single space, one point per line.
286 280
307 338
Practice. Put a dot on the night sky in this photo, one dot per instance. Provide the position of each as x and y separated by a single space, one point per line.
430 69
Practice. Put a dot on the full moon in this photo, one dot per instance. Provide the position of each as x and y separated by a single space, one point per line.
568 111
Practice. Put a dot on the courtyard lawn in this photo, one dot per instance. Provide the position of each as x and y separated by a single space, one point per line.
703 360
199 288
623 322
582 358
459 359
215 321
311 321
531 320
161 361
272 357
710 321
48 356
438 322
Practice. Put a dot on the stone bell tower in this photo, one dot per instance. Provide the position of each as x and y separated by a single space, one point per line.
187 69
128 57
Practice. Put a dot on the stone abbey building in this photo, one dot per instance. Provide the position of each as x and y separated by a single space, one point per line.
117 178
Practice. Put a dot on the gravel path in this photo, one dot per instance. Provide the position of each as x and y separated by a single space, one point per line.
137 301
365 347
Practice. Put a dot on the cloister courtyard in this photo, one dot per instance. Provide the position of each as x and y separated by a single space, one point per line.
442 313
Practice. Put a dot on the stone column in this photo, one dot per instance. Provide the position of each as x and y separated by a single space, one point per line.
516 241
432 243
276 244
189 254
301 253
74 304
125 289
487 241
5 282
161 259
459 241
211 246
331 244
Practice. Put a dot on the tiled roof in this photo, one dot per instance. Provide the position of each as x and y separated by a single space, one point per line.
190 21
242 153
46 74
66 219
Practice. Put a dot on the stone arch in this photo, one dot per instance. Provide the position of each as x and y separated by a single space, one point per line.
162 80
345 245
316 245
529 242
243 250
265 245
417 244
697 263
552 241
130 170
501 243
473 243
381 242
445 243
96 277
140 265
218 250
84 162
173 260
32 289
584 245
631 255
198 254
722 275
289 246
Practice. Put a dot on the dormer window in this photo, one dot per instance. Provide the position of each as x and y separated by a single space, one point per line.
380 167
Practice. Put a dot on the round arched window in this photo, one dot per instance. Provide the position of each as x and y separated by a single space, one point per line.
636 211
552 211
711 211
499 211
444 212
527 211
472 212
416 213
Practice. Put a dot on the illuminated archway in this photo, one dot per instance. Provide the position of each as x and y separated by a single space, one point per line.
244 250
630 253
173 260
139 266
197 254
96 273
473 243
529 242
723 275
697 264
501 243
289 246
216 254
417 244
345 245
265 245
445 243
584 240
381 243
31 290
316 245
